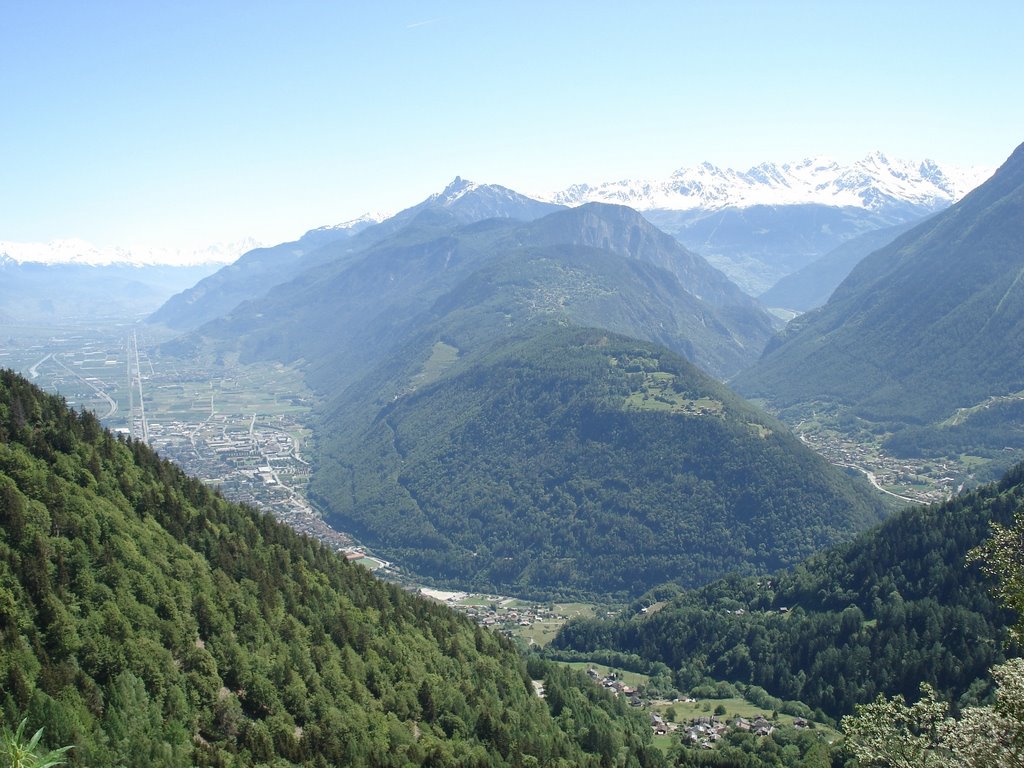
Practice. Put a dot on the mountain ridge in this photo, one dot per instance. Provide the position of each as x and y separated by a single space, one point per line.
874 182
258 271
394 279
927 325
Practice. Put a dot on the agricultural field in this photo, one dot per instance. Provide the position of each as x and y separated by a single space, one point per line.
243 428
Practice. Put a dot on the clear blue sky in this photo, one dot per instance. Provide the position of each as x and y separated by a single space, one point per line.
173 123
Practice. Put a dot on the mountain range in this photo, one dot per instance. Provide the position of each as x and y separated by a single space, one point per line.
381 280
40 292
874 183
757 226
762 224
451 357
256 272
924 335
515 395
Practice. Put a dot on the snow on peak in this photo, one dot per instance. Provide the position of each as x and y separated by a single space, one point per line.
454 191
76 251
368 218
871 183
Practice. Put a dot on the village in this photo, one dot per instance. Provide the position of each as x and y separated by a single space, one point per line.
913 481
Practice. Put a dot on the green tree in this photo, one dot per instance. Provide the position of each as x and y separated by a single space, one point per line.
890 734
994 736
1001 556
18 753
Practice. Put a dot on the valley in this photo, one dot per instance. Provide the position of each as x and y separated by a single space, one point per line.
524 423
246 427
481 385
241 428
913 481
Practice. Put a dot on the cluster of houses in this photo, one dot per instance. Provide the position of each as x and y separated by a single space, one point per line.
886 470
612 682
705 731
702 732
260 467
498 615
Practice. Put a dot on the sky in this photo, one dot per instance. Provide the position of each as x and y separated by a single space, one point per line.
178 124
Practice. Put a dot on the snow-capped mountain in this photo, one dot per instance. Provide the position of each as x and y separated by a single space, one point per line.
355 225
874 183
74 251
471 201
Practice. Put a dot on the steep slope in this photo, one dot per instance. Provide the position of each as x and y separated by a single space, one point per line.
146 621
623 231
810 286
345 317
250 276
255 273
928 325
572 460
894 608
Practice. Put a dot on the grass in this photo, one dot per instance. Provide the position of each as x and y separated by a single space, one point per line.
369 563
539 633
734 707
442 357
576 610
657 394
632 679
480 600
665 740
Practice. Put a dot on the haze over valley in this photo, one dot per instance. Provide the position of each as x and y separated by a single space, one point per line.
465 385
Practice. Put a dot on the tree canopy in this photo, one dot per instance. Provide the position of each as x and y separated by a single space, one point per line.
146 621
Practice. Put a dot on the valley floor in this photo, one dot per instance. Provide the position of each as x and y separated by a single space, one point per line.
906 480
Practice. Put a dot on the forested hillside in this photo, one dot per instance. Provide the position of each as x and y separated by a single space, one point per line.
570 460
898 606
147 621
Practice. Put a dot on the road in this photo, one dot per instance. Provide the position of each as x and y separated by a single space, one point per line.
874 482
33 372
111 405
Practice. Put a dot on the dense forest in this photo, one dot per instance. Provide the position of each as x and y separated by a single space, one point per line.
572 461
146 621
898 606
